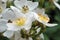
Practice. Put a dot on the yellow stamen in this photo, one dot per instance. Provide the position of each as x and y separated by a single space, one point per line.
20 21
25 9
43 18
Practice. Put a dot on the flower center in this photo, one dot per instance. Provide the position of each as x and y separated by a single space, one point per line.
0 9
43 18
25 9
20 21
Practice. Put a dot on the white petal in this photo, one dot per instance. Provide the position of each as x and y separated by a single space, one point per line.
5 10
3 5
17 11
3 20
57 5
50 25
42 36
8 34
3 26
30 16
38 30
38 10
12 27
20 3
37 18
17 35
32 5
0 16
28 24
9 15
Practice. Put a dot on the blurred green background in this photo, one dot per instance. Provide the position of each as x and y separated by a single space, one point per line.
54 14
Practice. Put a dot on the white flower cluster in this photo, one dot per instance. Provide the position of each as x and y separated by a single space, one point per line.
20 16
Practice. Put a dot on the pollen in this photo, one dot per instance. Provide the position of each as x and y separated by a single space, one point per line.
43 18
25 9
20 21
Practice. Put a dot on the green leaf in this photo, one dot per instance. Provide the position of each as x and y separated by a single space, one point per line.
57 17
56 35
46 37
3 38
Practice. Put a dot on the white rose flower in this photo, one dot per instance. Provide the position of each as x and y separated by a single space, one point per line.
18 22
43 18
25 6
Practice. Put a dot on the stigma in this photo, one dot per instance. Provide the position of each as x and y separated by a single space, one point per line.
25 9
19 21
